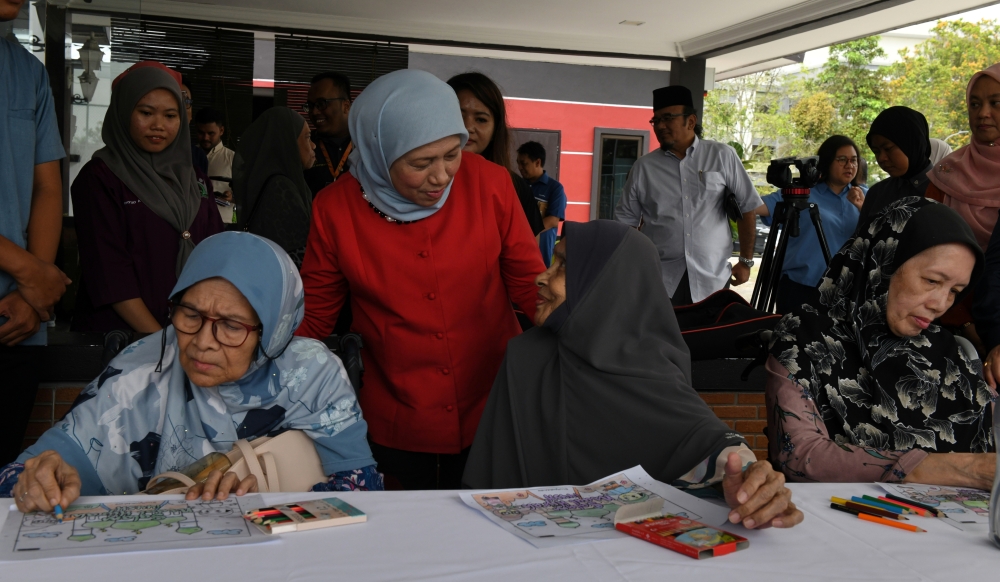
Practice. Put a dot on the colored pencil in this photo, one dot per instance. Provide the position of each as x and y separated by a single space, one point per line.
890 523
868 504
929 508
873 511
58 511
891 504
913 508
877 504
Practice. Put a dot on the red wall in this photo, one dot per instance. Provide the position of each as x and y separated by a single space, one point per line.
576 122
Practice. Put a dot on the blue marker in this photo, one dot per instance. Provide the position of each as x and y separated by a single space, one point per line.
59 512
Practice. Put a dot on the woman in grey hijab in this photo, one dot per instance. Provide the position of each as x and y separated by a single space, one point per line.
604 384
140 206
272 197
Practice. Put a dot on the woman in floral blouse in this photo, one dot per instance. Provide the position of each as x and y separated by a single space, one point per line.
865 386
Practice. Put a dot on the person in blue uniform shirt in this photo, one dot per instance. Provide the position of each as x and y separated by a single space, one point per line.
839 203
549 194
30 225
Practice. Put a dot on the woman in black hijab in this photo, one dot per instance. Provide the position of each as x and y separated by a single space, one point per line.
269 185
604 384
865 386
899 139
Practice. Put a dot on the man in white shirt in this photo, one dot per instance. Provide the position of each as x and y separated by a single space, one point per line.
677 194
210 125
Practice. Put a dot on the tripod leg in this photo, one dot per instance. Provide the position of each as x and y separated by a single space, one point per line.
762 288
792 217
817 221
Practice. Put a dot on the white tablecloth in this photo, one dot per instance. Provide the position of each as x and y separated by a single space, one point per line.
434 536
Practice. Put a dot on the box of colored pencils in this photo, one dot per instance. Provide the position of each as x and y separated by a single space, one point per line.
303 515
681 534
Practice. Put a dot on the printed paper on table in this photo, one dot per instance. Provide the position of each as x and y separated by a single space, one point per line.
568 514
107 525
963 504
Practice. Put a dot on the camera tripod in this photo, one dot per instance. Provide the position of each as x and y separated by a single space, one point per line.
784 224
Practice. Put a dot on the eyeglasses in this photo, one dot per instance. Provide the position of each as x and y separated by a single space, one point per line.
665 118
226 331
844 160
320 103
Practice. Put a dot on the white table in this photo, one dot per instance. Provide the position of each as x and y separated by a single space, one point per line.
434 536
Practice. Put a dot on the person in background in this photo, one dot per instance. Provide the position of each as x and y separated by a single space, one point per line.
485 119
839 206
898 138
939 151
226 369
210 126
563 378
677 193
30 224
986 311
863 385
433 248
140 206
272 196
198 155
861 178
327 104
548 193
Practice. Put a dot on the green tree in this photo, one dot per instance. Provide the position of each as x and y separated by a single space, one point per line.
858 88
933 77
748 112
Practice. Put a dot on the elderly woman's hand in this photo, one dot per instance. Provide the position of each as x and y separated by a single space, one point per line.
219 486
758 495
47 481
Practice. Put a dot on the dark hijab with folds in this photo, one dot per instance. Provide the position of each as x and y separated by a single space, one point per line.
165 182
908 130
603 385
269 149
874 388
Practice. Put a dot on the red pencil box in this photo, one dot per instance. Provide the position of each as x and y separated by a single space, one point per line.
681 534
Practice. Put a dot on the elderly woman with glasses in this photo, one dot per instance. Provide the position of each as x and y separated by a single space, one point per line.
839 203
227 369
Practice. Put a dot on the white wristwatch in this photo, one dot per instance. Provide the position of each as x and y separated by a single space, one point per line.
747 262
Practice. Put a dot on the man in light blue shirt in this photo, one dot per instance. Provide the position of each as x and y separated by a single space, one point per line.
30 225
677 194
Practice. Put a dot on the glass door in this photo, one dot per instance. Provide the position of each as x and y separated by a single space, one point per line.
618 153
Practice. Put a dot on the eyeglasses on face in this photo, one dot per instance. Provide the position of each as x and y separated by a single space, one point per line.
227 332
320 104
844 160
665 118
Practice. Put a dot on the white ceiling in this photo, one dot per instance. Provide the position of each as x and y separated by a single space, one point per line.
671 28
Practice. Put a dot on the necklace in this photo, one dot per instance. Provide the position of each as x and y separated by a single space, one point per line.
380 213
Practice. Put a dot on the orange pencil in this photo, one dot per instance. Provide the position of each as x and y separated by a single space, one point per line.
890 523
917 510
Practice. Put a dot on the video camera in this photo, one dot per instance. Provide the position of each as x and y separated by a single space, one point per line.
779 173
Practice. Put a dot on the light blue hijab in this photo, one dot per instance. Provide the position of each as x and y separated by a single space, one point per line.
395 114
134 421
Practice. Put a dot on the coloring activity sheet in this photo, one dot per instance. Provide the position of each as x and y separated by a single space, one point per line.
567 514
104 525
961 504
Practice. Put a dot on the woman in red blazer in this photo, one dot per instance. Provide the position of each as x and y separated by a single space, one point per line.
433 246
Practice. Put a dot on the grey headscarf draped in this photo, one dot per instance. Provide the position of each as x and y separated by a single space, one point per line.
395 114
607 387
165 182
268 148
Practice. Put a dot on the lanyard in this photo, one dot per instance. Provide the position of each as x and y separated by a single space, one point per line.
343 159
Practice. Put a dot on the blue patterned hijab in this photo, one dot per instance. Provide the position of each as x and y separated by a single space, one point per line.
134 422
397 113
